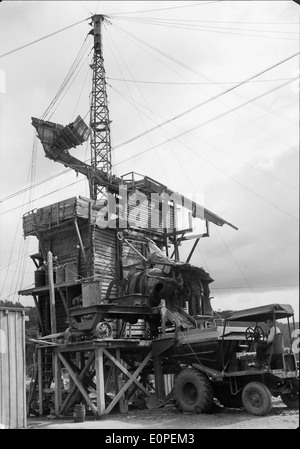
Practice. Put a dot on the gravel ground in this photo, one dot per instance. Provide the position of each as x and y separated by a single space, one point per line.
168 417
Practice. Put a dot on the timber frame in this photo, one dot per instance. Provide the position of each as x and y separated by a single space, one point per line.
87 282
101 365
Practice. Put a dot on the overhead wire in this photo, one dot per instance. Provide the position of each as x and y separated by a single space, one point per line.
194 71
238 266
151 118
50 178
205 29
231 89
197 72
80 93
164 9
207 83
221 150
250 122
153 21
43 196
83 6
140 116
209 121
11 294
42 38
59 189
67 79
240 21
20 274
191 83
160 125
31 175
71 73
149 149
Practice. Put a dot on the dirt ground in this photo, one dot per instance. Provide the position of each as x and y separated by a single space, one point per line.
168 417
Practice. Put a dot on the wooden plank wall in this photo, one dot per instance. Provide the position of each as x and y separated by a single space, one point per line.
12 369
63 243
61 316
49 216
104 249
145 217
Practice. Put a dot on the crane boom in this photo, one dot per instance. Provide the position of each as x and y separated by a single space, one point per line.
57 140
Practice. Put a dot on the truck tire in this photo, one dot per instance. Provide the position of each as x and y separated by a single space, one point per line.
291 400
257 398
193 392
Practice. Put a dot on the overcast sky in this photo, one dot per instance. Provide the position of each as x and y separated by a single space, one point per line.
161 60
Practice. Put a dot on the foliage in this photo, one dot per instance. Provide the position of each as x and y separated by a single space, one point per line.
223 313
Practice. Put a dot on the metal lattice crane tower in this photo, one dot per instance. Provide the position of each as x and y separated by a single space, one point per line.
99 113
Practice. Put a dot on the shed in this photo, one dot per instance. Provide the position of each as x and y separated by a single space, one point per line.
12 368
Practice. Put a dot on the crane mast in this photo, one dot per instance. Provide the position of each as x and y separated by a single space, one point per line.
99 113
57 140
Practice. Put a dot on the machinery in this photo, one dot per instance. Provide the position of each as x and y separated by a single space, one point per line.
111 262
221 362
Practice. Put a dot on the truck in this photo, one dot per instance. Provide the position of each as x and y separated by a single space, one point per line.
220 361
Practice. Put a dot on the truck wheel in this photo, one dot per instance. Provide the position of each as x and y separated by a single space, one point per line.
193 391
292 399
257 398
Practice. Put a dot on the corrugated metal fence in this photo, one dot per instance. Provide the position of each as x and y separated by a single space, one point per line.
12 368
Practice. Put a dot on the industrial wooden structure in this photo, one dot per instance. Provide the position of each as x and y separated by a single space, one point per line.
108 276
98 302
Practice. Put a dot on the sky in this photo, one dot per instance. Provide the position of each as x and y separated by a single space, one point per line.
238 149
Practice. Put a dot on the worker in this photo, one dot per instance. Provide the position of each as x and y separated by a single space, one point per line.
196 297
263 347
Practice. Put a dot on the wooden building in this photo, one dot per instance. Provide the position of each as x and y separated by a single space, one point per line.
12 368
90 263
90 267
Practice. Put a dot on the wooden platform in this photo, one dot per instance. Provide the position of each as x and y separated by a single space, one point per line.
103 358
45 288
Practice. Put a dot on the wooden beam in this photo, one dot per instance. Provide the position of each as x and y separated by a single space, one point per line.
174 233
176 244
78 385
135 250
132 378
57 382
37 306
52 293
40 380
80 239
128 374
192 250
123 407
100 380
64 301
69 399
159 378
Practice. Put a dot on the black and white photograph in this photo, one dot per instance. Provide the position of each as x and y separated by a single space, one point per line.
149 217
